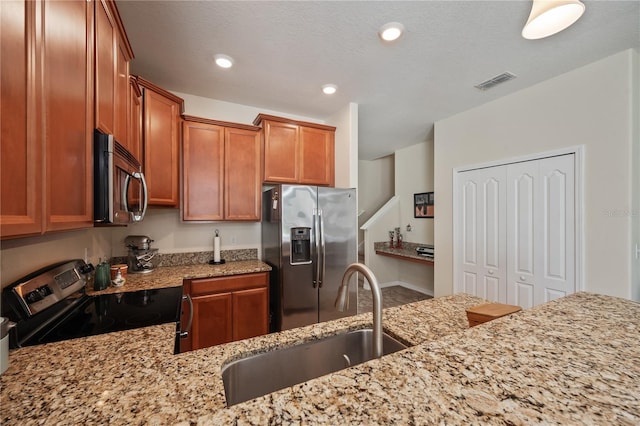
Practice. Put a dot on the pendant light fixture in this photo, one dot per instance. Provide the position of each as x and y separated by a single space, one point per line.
549 17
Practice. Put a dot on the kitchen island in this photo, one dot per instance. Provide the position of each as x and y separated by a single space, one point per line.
572 361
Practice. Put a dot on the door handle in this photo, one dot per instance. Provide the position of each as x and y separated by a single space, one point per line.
322 248
316 237
523 278
184 334
490 271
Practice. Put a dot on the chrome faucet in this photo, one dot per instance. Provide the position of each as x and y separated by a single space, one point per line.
342 301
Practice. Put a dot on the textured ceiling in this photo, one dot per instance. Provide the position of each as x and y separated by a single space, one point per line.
285 51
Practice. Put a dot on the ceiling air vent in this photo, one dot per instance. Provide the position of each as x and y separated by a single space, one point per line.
486 85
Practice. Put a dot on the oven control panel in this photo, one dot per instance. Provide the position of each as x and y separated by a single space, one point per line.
48 286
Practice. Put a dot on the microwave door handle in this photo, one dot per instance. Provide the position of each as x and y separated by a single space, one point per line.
125 191
144 195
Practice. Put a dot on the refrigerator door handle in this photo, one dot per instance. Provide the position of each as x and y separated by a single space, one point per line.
322 253
316 237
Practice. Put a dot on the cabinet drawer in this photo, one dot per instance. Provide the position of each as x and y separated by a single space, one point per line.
227 284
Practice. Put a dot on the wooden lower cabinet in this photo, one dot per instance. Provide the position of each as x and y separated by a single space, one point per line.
226 309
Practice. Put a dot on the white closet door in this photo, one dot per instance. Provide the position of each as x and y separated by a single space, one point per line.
482 202
540 230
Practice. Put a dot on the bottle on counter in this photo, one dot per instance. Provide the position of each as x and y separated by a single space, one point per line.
103 276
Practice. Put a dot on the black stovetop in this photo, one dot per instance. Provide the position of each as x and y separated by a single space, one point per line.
107 313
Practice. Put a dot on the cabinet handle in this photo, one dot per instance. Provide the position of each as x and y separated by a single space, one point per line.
184 334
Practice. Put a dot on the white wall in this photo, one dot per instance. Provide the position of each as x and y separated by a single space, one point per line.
386 269
346 146
591 106
635 187
414 174
170 235
376 185
23 256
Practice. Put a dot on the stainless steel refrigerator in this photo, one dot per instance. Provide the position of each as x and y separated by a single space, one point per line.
309 237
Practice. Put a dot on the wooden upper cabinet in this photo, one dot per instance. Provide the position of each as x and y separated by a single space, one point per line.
135 119
161 143
20 138
121 132
221 170
67 121
202 171
281 149
113 53
297 151
105 51
242 174
317 160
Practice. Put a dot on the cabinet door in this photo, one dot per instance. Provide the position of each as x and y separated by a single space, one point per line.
242 183
280 152
316 156
105 50
212 323
67 119
20 143
122 96
161 140
135 120
250 313
202 174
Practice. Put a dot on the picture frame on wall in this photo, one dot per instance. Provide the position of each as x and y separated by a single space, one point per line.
423 205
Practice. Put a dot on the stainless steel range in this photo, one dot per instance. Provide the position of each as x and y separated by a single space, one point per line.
50 305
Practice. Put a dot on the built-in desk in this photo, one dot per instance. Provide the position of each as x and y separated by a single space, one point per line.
407 252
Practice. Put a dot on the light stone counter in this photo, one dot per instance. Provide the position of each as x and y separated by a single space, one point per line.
172 276
573 361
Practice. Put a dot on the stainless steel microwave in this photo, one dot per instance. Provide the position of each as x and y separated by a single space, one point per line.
120 191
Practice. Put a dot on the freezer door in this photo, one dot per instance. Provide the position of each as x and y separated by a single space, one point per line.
299 295
340 234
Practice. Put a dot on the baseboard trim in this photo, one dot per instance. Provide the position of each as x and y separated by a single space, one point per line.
402 284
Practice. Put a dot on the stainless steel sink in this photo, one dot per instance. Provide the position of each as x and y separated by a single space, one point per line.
264 373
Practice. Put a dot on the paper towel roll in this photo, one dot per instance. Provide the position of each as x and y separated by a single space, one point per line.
216 249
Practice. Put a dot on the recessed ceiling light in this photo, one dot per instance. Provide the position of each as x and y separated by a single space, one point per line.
223 61
391 31
329 89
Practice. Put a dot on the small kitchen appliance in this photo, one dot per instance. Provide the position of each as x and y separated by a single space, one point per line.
119 188
142 258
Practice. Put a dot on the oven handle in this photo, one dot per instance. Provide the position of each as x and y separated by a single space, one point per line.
184 334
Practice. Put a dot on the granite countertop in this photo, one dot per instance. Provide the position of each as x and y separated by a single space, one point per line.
407 251
572 361
172 276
